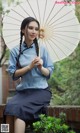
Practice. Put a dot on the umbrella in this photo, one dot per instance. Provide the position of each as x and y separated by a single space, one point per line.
59 26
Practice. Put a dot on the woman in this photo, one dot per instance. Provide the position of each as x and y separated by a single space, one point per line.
32 93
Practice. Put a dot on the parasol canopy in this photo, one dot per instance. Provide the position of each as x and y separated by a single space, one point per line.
59 26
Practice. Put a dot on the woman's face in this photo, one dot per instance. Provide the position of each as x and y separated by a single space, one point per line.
31 32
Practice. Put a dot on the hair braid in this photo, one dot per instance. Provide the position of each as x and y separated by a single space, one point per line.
21 38
37 47
25 23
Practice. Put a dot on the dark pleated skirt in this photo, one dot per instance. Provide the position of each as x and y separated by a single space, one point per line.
28 104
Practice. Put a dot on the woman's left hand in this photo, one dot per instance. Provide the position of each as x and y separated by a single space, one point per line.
39 62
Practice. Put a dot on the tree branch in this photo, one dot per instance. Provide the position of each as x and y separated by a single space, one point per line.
3 52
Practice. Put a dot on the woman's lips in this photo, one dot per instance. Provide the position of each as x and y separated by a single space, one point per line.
33 36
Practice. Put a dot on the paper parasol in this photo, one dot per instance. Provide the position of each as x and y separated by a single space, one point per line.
60 28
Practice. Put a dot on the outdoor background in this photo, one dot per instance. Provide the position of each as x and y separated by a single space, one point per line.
65 81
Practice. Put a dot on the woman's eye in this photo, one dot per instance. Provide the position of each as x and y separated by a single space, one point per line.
31 28
36 29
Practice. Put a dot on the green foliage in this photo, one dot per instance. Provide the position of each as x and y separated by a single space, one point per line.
48 124
67 76
1 8
78 10
62 116
5 51
7 54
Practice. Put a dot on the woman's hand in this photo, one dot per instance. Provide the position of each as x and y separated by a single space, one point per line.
39 62
36 62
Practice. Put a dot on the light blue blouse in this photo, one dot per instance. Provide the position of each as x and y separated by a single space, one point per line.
32 79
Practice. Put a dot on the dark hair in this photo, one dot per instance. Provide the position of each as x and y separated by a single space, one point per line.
25 22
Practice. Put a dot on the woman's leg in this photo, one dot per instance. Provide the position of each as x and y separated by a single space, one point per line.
19 126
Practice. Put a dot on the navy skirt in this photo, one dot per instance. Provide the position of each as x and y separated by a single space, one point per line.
28 104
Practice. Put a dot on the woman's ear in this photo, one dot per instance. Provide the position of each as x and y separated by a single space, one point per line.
23 31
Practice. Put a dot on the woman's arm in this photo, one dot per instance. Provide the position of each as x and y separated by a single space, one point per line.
44 71
39 63
22 71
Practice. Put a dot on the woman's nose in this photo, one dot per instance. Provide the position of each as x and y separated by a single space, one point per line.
34 31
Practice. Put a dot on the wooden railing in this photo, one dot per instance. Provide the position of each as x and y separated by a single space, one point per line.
72 116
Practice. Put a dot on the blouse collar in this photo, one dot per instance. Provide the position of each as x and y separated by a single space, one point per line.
25 45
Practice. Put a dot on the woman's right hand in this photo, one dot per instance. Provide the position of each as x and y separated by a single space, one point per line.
33 63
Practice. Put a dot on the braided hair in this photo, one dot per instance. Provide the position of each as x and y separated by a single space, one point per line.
25 22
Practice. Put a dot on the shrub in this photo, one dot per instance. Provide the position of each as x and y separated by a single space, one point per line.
48 124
